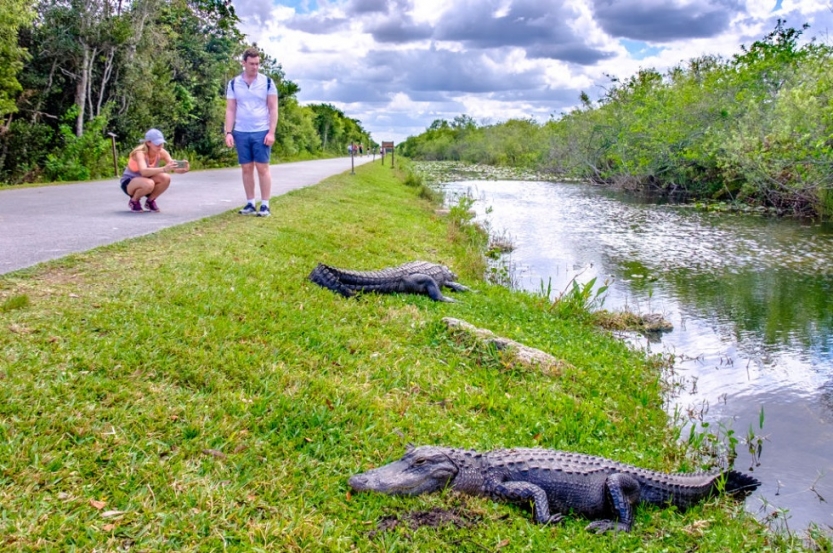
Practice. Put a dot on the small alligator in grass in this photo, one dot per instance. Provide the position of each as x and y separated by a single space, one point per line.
554 482
416 277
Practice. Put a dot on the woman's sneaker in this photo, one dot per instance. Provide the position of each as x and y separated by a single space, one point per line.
135 206
248 210
150 205
264 211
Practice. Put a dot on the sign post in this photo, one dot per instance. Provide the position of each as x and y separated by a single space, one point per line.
386 146
115 156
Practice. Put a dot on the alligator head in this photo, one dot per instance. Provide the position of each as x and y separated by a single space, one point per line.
422 470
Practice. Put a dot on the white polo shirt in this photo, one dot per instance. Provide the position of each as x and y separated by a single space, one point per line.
252 112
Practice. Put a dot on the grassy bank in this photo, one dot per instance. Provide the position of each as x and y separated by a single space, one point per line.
191 390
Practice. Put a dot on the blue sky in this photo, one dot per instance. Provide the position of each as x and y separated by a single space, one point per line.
398 65
300 6
638 49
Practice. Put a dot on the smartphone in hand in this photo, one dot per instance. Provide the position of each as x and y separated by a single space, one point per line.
181 164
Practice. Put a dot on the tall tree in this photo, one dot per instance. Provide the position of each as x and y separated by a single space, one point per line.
14 14
328 122
82 38
194 50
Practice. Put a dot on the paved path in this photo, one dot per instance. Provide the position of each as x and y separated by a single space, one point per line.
48 222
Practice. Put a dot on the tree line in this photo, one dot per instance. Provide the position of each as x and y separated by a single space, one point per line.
73 72
754 128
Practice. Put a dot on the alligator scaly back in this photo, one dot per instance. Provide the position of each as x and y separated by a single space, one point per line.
416 277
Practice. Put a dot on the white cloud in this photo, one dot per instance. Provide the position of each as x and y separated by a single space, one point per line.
397 65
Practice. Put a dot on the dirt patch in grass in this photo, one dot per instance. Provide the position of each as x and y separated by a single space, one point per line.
434 518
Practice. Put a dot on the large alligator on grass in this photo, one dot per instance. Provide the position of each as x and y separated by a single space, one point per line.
416 277
554 482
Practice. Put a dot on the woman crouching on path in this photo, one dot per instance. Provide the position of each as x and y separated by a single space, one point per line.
144 176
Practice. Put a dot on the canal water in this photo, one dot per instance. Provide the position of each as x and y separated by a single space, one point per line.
751 301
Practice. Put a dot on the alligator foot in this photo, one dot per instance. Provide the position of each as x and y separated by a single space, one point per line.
602 526
557 518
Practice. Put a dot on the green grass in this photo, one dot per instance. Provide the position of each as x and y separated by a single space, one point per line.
192 391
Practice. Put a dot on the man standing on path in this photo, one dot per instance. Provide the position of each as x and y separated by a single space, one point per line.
251 119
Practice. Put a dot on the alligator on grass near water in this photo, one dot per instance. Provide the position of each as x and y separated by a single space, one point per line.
416 277
554 482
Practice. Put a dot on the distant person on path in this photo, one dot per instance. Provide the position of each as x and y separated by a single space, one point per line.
144 177
251 119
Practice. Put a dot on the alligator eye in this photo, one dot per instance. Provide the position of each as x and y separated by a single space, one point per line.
419 462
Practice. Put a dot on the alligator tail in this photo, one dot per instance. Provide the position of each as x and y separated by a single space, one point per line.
738 483
326 277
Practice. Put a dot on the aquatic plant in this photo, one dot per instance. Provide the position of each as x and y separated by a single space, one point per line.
579 299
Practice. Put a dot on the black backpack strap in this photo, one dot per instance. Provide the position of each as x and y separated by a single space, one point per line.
268 84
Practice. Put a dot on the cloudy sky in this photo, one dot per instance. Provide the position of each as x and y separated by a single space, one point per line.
398 65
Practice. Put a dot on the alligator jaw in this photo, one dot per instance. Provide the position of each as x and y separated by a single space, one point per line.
414 474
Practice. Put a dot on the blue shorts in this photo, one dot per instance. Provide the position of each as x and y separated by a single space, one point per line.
250 147
124 182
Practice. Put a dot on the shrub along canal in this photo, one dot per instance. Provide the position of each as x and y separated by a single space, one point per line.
750 299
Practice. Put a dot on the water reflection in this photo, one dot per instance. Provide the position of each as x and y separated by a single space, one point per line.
782 308
750 299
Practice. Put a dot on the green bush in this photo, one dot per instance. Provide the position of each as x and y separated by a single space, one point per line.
23 151
81 157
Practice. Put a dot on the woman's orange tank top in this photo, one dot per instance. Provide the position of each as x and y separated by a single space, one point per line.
133 165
